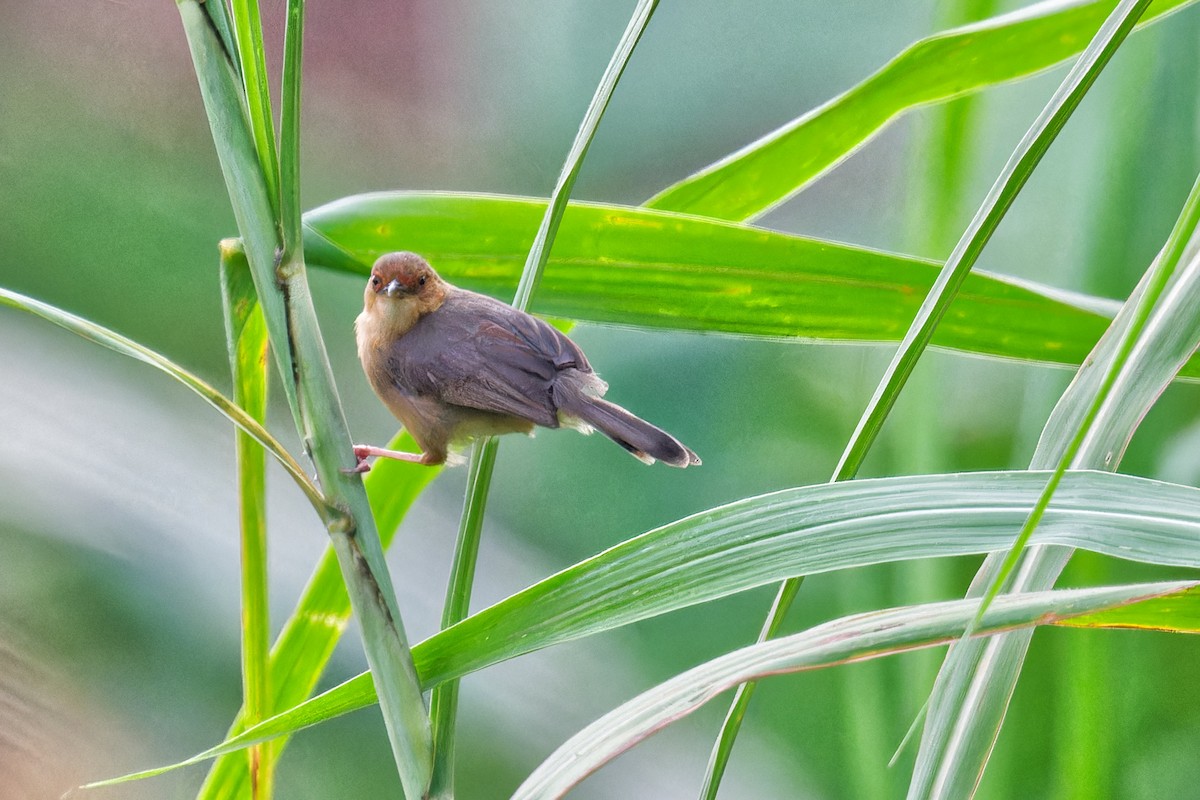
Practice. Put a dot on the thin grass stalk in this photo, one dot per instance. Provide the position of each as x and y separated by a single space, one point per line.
1089 737
975 684
940 166
443 702
1161 275
1004 191
114 341
291 322
246 339
444 698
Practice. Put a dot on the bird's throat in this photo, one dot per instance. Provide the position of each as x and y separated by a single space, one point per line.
378 326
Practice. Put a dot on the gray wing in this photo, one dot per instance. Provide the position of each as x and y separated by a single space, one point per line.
480 353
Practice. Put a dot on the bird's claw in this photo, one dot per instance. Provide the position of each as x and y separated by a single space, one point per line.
361 454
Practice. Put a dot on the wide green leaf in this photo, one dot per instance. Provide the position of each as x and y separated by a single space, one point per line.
630 266
944 66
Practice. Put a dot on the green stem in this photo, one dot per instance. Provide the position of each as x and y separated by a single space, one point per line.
443 705
283 290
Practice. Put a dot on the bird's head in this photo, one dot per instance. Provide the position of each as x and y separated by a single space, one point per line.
403 285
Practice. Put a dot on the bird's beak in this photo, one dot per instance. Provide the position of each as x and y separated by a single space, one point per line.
395 288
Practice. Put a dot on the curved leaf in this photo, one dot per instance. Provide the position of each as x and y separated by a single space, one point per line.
761 540
856 638
977 678
765 173
228 409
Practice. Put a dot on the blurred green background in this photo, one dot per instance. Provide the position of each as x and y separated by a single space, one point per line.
118 532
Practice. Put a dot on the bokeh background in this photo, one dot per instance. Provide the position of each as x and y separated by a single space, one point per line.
118 534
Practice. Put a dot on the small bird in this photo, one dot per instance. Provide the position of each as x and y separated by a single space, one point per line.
453 365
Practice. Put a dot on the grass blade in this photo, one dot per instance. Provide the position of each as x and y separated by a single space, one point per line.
252 67
289 129
227 408
1161 273
767 172
443 701
856 638
483 459
757 541
975 682
246 337
950 280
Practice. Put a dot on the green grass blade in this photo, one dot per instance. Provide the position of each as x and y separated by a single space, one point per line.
296 339
975 682
851 639
443 701
289 128
1161 273
246 338
252 66
1004 191
958 266
1167 606
765 173
127 347
310 634
718 759
547 232
629 266
1176 613
757 541
445 697
810 530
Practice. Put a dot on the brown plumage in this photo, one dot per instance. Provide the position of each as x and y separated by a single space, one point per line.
452 365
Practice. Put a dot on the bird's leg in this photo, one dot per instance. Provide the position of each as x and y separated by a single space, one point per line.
364 451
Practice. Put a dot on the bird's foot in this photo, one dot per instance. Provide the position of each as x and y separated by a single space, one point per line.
364 451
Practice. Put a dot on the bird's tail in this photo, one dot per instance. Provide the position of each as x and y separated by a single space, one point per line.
644 441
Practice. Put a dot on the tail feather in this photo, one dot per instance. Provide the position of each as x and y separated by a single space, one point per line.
644 441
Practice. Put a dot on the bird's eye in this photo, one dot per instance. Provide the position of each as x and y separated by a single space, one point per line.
422 281
375 281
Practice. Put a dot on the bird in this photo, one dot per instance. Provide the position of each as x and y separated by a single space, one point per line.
453 365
